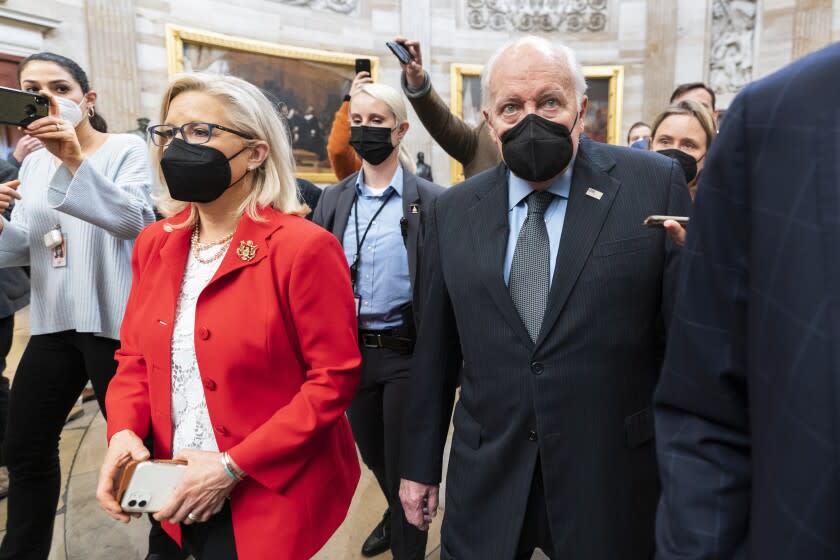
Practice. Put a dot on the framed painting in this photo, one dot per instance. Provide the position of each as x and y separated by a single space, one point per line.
306 85
603 117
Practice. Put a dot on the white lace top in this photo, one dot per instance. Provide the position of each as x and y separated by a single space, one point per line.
192 428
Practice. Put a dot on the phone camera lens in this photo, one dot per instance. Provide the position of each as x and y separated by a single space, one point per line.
142 503
31 111
132 503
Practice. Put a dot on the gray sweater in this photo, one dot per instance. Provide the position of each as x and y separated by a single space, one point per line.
100 210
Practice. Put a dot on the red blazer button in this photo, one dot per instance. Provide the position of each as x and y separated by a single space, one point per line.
209 384
204 333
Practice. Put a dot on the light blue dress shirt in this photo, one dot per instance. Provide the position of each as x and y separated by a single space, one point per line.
383 282
555 214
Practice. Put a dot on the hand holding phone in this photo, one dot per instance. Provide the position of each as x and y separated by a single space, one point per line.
399 51
658 220
363 65
20 108
147 486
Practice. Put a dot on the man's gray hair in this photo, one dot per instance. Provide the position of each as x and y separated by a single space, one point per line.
561 53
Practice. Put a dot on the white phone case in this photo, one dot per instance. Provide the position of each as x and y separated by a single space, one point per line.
151 486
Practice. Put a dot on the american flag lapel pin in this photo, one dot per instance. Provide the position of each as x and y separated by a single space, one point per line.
596 194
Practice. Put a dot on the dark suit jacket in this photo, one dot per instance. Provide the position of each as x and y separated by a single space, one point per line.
310 194
333 211
748 409
581 396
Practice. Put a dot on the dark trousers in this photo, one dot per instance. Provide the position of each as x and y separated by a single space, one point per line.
7 332
376 419
536 531
212 540
52 372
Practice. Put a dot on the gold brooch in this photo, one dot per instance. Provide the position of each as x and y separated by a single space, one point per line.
246 250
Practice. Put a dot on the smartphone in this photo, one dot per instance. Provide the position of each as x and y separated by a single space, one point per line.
657 221
362 65
19 108
399 51
146 486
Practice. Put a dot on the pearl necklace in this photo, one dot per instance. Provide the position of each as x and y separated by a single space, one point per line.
196 247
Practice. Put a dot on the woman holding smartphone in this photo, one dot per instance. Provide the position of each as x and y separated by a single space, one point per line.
238 346
81 202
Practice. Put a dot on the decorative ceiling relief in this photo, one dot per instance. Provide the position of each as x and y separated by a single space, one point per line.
574 16
340 6
731 53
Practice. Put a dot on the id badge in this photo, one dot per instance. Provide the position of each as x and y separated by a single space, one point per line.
59 253
358 301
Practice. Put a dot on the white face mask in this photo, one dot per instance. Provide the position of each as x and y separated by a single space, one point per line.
70 111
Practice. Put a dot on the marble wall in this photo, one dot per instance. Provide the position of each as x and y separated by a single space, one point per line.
660 43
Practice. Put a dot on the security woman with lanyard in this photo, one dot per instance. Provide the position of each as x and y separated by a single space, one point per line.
377 214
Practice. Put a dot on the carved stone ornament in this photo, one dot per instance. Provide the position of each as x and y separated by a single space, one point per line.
340 6
733 35
538 15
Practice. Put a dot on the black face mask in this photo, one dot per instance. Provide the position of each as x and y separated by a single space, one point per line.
686 161
196 173
372 143
537 149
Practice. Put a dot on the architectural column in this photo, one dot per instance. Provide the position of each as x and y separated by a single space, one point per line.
113 61
691 62
811 26
660 55
416 23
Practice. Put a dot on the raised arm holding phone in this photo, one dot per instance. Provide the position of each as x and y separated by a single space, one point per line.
471 145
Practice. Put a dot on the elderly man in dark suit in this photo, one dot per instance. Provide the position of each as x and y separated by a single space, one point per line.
540 278
748 406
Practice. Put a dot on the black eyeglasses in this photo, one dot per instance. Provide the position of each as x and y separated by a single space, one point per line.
192 133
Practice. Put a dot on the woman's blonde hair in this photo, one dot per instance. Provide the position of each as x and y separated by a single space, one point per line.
394 100
249 111
692 109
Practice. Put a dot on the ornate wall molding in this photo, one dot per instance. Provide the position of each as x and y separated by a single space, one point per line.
733 37
573 16
339 6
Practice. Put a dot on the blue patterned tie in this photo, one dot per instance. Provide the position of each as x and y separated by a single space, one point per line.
529 271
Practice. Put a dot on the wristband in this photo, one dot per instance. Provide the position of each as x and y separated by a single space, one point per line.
229 470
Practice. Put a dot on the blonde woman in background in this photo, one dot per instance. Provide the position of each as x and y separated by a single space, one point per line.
377 214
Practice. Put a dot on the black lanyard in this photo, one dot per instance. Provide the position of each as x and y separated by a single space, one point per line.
354 268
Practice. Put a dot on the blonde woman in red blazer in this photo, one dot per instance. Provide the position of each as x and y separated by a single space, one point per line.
239 341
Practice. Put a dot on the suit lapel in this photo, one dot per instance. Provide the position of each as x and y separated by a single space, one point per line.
174 253
411 198
342 207
585 216
488 220
248 234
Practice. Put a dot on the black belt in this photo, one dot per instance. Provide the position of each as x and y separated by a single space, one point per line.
387 338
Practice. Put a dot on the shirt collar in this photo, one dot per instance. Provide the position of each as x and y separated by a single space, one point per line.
396 183
518 189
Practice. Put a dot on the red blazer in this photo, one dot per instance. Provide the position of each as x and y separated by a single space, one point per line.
276 345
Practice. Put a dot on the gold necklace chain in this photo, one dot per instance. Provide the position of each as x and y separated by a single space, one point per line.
196 247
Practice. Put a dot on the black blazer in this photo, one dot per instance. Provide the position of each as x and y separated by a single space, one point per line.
580 397
334 207
748 408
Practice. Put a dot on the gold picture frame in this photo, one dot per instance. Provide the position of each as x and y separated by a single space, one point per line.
606 90
322 79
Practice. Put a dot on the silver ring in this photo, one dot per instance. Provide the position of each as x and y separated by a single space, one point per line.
192 516
57 127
